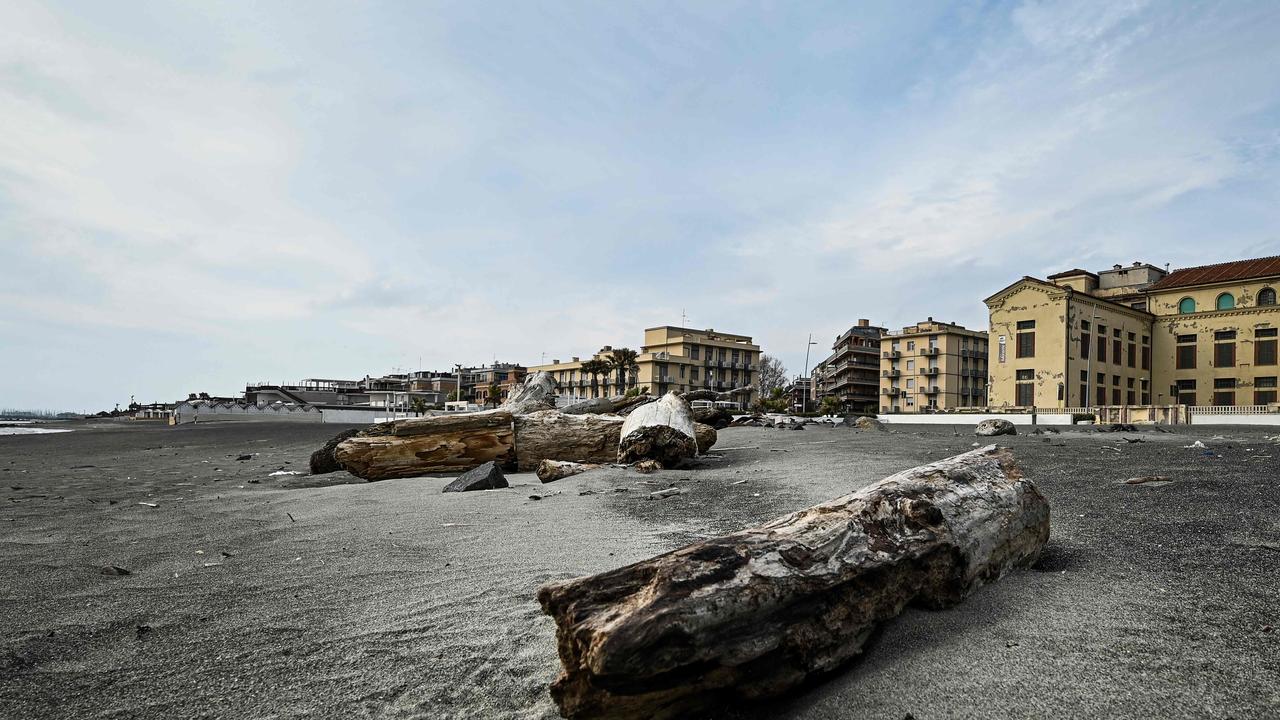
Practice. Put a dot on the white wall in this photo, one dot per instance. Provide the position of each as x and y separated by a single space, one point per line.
972 418
1272 420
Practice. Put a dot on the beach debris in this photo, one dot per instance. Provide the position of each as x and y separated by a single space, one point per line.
535 497
995 426
291 518
114 570
486 477
647 466
242 458
606 406
1119 427
867 422
149 504
284 472
552 470
437 444
737 482
537 393
226 554
666 493
1197 445
551 435
211 564
1147 479
1134 440
753 614
716 417
705 436
323 460
661 431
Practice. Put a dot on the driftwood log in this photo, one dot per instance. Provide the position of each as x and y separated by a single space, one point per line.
535 394
754 614
606 405
552 470
441 444
550 435
661 431
705 436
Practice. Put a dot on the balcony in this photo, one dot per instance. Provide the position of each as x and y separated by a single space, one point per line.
891 355
929 390
929 351
929 371
891 392
891 373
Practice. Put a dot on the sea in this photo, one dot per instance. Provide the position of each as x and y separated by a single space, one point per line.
27 427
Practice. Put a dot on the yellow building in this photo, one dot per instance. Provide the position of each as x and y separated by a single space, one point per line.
672 358
1137 336
1216 328
933 366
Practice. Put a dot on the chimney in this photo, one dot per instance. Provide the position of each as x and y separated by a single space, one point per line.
1116 266
575 358
930 318
863 322
1136 263
555 361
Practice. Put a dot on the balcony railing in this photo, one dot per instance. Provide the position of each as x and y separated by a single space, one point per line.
929 371
891 373
930 390
891 392
891 355
929 351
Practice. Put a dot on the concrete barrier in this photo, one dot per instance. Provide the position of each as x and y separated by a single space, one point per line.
973 418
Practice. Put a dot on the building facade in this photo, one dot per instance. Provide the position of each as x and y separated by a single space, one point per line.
1137 336
851 373
671 359
932 366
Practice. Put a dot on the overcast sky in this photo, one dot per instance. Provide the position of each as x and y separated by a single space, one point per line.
193 196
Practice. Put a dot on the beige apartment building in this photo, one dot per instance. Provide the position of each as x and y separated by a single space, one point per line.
1137 335
932 366
671 358
851 373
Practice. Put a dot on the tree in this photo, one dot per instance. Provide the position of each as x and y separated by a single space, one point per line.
495 394
595 368
624 361
453 395
418 405
830 405
773 374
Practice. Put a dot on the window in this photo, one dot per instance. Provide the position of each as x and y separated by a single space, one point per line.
693 352
1267 296
1102 348
1115 396
1084 345
1115 352
1146 353
1102 395
1224 348
1187 392
1224 392
683 369
911 344
1186 356
1264 391
1084 376
1186 306
1084 324
1264 346
1226 302
1026 339
1026 394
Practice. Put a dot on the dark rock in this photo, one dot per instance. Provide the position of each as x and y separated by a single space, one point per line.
242 458
868 423
114 570
323 460
718 418
995 426
486 477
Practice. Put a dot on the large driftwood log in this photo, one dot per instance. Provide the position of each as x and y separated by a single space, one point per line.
755 613
442 444
552 470
535 394
661 431
713 395
550 435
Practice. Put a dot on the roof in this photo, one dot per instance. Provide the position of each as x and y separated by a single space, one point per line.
1071 273
1084 297
1221 272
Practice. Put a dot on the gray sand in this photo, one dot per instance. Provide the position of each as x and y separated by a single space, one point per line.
393 600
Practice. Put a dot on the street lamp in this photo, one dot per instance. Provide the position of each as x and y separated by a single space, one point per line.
804 400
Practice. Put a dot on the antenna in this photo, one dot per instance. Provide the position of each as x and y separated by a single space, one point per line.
684 319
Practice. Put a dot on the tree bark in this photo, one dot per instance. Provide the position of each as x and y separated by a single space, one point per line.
661 431
755 613
606 406
551 435
442 444
552 470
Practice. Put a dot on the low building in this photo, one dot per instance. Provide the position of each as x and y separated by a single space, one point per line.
851 373
932 366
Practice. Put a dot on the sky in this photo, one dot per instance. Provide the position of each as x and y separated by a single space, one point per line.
198 195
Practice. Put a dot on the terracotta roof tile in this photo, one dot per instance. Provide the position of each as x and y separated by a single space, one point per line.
1221 272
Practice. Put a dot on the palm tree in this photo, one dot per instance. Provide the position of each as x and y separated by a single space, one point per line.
495 394
624 361
595 367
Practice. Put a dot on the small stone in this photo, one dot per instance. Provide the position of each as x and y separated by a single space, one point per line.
995 426
114 570
669 492
242 458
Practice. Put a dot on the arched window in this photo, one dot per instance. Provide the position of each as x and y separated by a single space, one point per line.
1186 306
1226 301
1267 296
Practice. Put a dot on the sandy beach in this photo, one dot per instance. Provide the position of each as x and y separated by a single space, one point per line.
253 595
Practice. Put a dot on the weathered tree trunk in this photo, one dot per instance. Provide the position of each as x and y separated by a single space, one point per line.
551 435
552 470
661 431
712 394
442 444
606 406
755 613
534 395
705 436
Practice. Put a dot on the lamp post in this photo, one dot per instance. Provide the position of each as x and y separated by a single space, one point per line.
804 401
1088 381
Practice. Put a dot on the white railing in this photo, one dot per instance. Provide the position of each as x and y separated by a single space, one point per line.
1235 409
